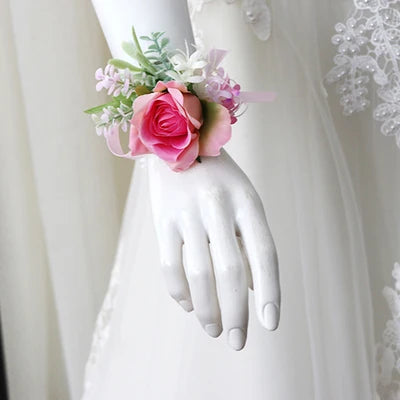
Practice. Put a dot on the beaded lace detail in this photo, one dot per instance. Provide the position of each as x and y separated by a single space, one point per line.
368 45
388 351
255 13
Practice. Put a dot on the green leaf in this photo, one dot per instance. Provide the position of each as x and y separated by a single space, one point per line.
157 35
127 101
136 41
164 42
97 109
145 38
121 64
145 63
129 49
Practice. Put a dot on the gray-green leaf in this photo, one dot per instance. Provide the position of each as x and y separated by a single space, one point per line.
129 49
97 109
121 64
164 42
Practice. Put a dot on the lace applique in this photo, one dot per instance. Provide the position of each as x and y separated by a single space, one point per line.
388 351
255 13
195 6
368 45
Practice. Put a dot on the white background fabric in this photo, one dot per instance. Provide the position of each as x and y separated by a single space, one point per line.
61 195
330 185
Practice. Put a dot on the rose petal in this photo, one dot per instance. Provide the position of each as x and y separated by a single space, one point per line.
161 86
187 157
142 101
189 106
149 131
176 95
216 129
165 98
193 109
166 152
136 146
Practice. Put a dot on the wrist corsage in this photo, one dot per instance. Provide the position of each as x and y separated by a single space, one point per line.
176 105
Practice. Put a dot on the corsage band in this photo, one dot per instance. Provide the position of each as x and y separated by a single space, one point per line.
176 105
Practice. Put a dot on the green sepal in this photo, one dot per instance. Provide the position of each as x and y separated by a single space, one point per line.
141 90
211 113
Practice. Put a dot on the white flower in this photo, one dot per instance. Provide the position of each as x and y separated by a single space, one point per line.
188 68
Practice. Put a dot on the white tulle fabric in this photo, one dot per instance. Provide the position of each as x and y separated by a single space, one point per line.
256 13
388 350
330 189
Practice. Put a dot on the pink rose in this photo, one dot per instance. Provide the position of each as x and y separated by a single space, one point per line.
169 123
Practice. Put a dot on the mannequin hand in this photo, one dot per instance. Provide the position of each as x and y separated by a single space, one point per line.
201 217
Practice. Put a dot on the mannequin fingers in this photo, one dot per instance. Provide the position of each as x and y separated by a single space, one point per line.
170 244
231 279
261 252
201 279
249 275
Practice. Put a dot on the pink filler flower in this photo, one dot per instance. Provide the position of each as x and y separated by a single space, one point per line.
173 124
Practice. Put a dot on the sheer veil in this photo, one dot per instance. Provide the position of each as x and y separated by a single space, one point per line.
319 177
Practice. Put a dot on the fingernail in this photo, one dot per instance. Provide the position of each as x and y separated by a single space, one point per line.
213 330
186 305
271 316
236 338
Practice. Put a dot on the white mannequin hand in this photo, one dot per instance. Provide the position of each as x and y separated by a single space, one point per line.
207 208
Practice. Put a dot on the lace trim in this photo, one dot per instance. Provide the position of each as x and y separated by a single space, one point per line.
255 13
388 351
368 44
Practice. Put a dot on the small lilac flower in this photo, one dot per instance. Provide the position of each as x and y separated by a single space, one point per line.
221 89
126 86
99 75
218 87
115 81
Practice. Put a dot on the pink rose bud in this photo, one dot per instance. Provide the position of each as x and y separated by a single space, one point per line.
169 123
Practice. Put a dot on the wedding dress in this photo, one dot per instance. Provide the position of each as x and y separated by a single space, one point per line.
330 186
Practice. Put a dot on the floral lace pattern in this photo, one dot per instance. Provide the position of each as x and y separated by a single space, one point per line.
388 351
255 13
368 45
